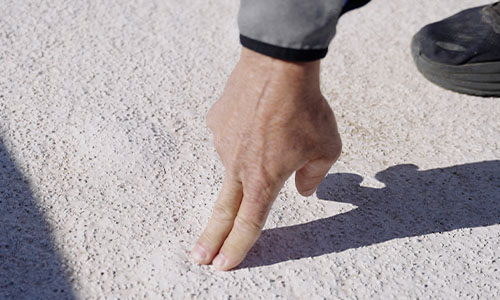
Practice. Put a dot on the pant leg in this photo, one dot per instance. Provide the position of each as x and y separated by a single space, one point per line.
295 30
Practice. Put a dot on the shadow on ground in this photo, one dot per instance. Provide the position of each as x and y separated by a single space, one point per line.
412 203
30 266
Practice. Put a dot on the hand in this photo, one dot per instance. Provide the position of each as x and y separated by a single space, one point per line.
271 121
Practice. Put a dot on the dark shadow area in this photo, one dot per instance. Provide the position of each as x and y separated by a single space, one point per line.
30 266
412 203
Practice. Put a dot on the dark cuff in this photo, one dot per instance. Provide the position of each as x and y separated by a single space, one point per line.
282 53
353 4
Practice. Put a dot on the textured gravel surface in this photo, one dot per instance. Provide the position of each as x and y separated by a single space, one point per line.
108 174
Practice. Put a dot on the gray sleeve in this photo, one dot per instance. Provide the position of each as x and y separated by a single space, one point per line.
298 30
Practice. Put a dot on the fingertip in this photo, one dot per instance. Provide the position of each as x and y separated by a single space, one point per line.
199 254
307 193
220 262
226 262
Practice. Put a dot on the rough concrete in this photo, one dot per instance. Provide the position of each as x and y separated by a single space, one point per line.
108 174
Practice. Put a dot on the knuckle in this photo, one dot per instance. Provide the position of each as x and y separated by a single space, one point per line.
222 213
248 224
231 167
309 173
334 151
259 191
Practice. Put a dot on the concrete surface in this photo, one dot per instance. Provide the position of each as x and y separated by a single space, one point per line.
108 175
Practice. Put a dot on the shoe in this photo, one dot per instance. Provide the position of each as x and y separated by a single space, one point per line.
462 53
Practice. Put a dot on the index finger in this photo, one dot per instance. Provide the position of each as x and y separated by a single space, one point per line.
247 227
221 221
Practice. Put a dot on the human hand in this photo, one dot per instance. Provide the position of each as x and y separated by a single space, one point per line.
271 121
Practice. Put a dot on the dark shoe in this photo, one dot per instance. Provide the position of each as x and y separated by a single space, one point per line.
462 52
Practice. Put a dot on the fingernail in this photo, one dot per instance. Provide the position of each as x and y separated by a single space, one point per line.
219 262
309 193
199 254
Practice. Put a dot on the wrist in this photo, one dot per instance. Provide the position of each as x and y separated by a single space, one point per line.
294 74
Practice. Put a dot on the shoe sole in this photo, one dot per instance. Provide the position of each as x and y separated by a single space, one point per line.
478 79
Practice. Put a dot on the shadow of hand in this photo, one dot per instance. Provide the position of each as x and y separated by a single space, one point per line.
412 203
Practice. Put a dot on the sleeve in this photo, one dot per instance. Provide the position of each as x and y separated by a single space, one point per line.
294 30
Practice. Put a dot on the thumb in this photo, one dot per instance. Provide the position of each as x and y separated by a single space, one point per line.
310 176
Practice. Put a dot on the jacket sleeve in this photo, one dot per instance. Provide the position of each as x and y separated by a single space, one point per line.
295 30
